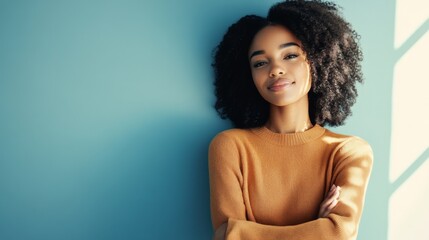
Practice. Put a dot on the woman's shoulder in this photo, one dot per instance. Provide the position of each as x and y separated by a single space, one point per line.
231 135
349 144
226 144
345 137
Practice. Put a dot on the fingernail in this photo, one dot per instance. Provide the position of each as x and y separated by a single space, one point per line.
333 187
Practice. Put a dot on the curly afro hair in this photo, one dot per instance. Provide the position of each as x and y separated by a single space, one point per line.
332 50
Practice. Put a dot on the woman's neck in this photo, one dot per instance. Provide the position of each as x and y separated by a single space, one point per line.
289 119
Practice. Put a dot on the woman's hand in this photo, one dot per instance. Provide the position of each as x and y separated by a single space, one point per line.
330 201
220 232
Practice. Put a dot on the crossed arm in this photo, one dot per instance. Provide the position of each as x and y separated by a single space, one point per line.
326 207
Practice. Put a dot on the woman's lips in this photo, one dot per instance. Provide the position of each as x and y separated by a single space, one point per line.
280 84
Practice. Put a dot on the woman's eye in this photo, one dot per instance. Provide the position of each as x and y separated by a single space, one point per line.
291 56
259 64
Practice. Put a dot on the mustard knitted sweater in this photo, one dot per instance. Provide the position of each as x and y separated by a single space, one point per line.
269 186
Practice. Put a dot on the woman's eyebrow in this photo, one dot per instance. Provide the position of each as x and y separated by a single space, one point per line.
284 45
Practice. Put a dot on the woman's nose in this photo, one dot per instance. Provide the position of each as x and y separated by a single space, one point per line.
276 71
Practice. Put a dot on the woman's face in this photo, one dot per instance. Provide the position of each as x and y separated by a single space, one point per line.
279 67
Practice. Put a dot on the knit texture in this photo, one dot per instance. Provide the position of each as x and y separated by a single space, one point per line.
267 185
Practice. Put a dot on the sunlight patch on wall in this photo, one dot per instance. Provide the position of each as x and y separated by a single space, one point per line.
410 14
408 209
410 133
409 162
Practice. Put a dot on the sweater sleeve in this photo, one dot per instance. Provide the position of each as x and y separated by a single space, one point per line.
352 167
226 181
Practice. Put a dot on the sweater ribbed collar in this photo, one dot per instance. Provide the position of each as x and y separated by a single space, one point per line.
289 139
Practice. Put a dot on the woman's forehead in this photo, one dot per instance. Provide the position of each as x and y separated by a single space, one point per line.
274 33
273 36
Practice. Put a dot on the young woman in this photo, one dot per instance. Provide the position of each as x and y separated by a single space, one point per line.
280 174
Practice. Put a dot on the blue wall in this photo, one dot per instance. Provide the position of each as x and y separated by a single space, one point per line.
106 114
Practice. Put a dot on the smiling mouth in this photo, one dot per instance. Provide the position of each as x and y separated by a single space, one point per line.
280 85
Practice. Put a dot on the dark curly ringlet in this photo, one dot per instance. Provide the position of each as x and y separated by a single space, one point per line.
237 97
332 49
